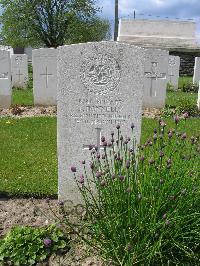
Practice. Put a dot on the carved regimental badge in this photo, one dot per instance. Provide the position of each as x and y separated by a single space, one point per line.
100 73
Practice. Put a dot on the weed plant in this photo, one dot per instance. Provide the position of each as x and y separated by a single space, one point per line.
143 203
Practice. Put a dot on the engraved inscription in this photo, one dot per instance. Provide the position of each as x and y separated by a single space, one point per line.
100 73
96 111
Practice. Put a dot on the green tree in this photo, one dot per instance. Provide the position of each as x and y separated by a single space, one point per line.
51 22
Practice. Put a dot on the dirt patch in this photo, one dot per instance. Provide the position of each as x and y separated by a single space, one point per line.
35 111
36 212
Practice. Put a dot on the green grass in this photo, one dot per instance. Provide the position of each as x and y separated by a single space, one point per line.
28 159
22 97
184 80
175 97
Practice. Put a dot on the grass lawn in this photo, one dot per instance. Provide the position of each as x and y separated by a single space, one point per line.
174 98
28 160
22 97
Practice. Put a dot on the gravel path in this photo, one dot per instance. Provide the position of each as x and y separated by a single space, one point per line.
35 111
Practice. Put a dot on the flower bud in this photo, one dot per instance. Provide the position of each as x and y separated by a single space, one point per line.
47 242
73 169
118 126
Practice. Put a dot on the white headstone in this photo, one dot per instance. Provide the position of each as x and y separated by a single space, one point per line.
19 70
99 86
196 77
45 76
5 79
198 101
155 73
173 70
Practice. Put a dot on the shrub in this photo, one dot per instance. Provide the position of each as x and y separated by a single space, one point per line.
190 87
28 245
143 205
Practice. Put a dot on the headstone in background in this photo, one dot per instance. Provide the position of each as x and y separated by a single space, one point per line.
5 79
155 78
19 70
99 86
173 70
196 77
45 76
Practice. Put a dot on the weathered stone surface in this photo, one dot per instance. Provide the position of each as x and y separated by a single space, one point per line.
5 79
100 85
45 76
196 77
173 70
155 83
19 70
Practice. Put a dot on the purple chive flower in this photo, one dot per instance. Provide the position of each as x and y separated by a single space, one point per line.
127 164
169 161
118 126
167 222
98 156
164 216
103 139
81 180
61 203
96 148
98 174
184 136
90 147
121 138
151 161
91 165
47 242
112 133
161 154
142 158
186 115
176 119
73 169
103 183
162 123
113 176
122 178
132 126
170 135
83 162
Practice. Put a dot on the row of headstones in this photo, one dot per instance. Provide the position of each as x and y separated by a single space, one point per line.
13 72
160 68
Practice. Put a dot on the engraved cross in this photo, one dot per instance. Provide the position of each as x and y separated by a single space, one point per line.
46 74
98 144
154 75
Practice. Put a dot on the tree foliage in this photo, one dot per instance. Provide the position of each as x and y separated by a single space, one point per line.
51 22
